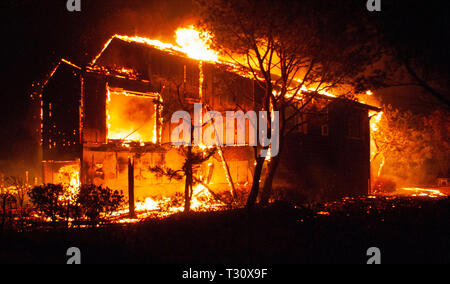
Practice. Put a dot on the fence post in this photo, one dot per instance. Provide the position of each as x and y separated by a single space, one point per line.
131 187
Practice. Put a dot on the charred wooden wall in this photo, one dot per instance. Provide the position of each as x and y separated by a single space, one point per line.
326 163
316 163
61 106
177 79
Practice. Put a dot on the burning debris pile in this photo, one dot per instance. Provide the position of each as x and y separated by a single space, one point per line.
202 201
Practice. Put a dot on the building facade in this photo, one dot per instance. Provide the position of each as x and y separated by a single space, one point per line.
98 118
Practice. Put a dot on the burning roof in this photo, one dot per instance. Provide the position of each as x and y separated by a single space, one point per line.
133 57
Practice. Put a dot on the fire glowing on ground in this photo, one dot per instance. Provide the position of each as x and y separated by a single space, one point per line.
421 192
416 192
202 201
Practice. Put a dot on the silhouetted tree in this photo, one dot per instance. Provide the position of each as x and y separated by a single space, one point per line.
96 201
48 200
173 97
287 46
401 144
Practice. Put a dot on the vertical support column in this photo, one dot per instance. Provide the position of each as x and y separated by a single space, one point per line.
131 187
201 78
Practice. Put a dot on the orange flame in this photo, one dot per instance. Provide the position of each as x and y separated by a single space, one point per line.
69 177
191 42
194 44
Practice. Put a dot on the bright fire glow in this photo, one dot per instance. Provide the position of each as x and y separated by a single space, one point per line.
202 201
423 192
131 117
194 44
69 177
375 121
191 42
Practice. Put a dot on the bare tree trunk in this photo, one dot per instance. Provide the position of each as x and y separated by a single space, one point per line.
268 182
273 165
251 200
255 186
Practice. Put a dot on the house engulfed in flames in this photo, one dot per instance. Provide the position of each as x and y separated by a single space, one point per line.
100 118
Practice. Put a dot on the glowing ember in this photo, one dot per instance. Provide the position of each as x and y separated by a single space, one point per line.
423 192
148 205
202 201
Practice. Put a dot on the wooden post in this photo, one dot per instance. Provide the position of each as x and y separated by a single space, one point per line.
131 188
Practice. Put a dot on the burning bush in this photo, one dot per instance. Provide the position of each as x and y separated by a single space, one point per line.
48 200
91 202
97 201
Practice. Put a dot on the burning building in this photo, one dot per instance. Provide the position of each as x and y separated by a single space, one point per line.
103 120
